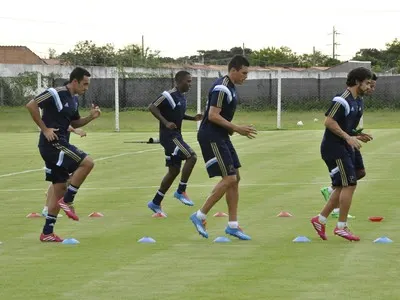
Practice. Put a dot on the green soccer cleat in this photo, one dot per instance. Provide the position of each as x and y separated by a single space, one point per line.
325 192
336 215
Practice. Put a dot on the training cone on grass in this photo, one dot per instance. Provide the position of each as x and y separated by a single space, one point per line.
146 239
220 214
301 239
375 219
96 215
34 215
70 241
383 240
158 215
284 214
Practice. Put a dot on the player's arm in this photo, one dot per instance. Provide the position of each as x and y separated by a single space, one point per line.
78 131
220 97
154 108
80 122
197 117
34 106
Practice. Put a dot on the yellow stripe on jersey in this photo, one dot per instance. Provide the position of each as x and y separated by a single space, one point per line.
159 101
43 97
222 93
334 109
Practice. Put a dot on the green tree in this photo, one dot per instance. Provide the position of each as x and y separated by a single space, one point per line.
272 56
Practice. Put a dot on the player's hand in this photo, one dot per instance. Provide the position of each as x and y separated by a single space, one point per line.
353 142
364 137
171 125
95 111
80 132
198 117
246 130
50 134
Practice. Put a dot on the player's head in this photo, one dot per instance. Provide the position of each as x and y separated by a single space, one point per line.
360 79
183 81
79 80
238 69
372 86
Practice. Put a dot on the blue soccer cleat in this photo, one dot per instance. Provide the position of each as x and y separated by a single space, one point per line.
200 225
183 197
237 232
156 208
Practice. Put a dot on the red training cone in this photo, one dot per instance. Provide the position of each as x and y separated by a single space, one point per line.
284 214
158 215
34 215
96 215
375 219
220 214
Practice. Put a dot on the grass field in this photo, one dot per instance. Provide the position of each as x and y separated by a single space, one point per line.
282 170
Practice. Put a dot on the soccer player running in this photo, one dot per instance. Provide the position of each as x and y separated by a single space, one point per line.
358 163
218 152
60 110
337 151
170 109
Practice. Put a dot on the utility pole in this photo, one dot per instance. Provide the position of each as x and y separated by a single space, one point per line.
142 47
334 43
244 52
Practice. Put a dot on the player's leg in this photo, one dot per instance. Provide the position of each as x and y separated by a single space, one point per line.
359 165
349 184
232 199
173 163
168 179
78 162
184 153
58 177
218 163
319 221
360 173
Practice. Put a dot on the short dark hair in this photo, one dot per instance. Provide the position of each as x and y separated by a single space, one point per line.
358 74
374 77
238 62
78 73
180 75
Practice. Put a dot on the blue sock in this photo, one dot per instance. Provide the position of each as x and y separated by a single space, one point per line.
158 198
182 187
70 193
49 225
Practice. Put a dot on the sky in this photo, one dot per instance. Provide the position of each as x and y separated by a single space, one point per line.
178 28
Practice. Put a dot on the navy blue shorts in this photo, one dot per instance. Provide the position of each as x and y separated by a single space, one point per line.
61 159
220 157
176 150
358 160
342 170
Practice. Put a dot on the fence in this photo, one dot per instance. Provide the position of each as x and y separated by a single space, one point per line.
130 88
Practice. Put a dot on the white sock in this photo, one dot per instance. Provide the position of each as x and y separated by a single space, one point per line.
330 189
341 225
201 215
336 210
233 224
321 219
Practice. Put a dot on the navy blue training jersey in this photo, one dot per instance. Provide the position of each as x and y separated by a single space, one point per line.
59 109
222 95
347 112
172 106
